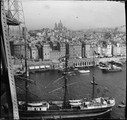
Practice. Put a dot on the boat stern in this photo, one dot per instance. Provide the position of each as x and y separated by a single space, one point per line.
111 102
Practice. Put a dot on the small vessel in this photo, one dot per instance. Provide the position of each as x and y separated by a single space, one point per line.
102 65
112 68
117 63
122 102
75 68
121 106
84 71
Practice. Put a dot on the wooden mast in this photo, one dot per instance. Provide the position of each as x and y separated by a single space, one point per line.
93 74
26 83
65 102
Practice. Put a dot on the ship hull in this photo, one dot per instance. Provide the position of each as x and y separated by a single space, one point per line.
108 71
64 114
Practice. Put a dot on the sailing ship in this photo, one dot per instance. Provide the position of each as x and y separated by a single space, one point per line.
68 108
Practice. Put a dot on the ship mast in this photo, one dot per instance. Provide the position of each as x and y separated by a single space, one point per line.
65 102
93 74
26 84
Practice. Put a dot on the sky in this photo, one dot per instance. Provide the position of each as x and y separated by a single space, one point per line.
74 15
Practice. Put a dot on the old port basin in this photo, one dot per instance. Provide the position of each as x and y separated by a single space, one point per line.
57 100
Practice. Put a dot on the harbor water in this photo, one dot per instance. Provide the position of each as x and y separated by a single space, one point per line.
49 86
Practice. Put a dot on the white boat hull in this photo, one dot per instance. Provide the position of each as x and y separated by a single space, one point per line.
84 71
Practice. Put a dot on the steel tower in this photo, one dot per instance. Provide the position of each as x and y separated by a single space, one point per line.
14 10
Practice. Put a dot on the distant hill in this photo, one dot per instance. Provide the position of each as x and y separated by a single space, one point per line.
121 28
117 29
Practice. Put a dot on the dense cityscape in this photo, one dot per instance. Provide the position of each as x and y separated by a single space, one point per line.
66 60
47 46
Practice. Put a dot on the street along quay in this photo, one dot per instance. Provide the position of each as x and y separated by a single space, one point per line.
37 66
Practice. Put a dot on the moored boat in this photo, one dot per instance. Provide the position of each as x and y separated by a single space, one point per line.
112 68
76 109
117 63
102 65
121 106
84 71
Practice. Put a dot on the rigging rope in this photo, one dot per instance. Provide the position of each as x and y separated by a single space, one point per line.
54 81
29 92
29 80
62 87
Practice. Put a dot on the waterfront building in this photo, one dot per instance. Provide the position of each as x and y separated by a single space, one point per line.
34 53
54 45
85 62
83 49
62 49
88 50
106 48
40 51
71 50
123 50
109 49
55 55
103 51
98 49
75 50
46 51
116 50
55 64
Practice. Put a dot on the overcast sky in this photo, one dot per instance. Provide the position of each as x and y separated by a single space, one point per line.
73 14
